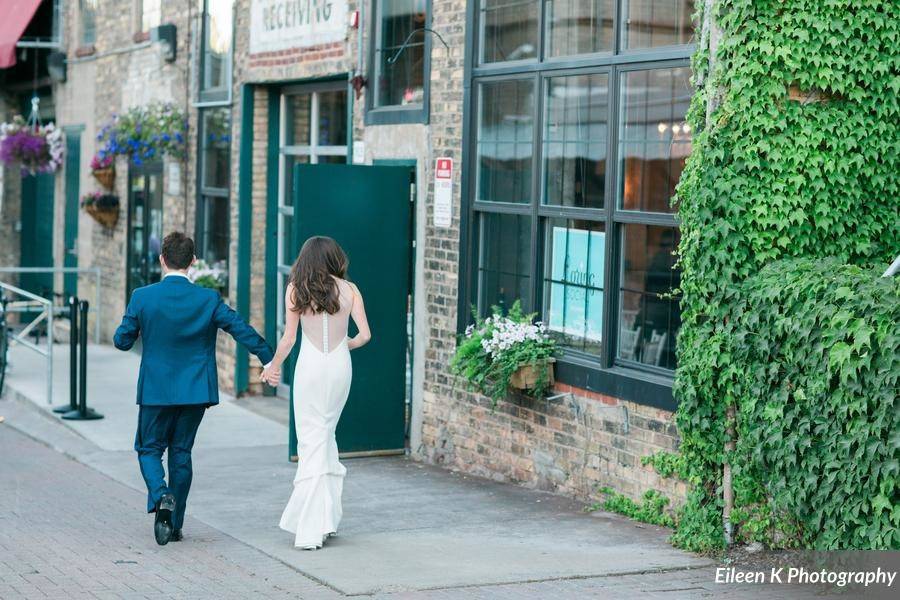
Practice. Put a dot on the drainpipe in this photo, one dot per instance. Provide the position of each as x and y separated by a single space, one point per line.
359 36
727 488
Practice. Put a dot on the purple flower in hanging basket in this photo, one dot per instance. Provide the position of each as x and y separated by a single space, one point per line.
35 149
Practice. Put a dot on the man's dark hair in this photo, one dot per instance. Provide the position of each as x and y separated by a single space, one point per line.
178 250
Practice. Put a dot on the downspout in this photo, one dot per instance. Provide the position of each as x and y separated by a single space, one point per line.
710 35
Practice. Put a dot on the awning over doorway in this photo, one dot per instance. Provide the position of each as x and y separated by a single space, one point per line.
15 15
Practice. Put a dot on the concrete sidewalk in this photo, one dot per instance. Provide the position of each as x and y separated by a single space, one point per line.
407 526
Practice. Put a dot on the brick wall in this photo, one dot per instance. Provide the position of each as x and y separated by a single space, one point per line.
117 74
10 204
571 445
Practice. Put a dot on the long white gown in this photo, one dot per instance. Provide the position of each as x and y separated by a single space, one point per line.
321 385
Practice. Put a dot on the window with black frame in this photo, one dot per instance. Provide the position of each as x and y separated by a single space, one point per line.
400 61
213 207
87 17
578 141
216 51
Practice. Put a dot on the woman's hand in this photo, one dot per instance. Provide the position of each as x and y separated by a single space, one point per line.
270 375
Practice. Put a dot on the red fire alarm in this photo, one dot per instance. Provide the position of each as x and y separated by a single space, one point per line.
354 19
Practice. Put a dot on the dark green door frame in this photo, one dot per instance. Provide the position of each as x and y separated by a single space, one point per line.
245 229
72 192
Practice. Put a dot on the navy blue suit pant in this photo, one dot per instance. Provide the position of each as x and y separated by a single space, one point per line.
172 429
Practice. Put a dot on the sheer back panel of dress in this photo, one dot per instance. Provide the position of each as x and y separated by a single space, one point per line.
325 331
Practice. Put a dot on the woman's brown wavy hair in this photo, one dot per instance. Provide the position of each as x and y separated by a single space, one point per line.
321 259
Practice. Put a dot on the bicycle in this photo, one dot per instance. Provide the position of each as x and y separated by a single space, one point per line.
4 340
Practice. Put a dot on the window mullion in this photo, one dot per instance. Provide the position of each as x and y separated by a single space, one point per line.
610 270
536 189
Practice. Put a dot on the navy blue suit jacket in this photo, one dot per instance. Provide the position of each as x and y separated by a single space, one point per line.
178 323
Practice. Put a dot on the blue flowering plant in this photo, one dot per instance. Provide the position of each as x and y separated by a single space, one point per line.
144 133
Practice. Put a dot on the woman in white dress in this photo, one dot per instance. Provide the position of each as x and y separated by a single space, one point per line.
321 301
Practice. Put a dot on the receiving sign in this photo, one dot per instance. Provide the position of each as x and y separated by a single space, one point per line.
443 192
282 24
576 273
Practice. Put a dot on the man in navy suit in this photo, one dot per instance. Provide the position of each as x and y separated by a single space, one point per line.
178 323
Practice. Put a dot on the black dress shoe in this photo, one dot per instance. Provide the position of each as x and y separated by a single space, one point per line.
176 536
162 526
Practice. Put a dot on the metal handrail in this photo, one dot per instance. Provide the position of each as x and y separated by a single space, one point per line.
95 271
46 313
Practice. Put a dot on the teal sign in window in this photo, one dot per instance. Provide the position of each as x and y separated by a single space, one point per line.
576 283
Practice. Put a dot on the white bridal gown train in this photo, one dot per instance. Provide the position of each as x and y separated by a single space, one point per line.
321 385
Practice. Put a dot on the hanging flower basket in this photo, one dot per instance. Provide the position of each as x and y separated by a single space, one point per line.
145 133
103 208
532 375
33 148
104 171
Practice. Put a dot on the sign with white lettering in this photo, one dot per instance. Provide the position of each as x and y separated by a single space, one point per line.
282 24
443 192
576 282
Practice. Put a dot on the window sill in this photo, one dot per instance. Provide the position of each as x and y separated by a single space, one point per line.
397 115
84 51
633 385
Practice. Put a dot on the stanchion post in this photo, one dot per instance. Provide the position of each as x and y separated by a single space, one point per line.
83 413
73 358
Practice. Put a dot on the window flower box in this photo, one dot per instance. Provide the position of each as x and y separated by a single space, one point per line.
505 352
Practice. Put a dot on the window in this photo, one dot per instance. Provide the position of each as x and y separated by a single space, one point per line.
578 139
151 14
313 129
505 141
213 207
215 59
400 61
87 15
509 30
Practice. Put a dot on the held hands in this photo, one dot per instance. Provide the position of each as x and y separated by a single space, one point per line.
270 375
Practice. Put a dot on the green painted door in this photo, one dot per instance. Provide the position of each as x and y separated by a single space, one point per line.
73 184
367 210
37 232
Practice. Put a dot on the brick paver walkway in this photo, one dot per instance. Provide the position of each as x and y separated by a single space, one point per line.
69 532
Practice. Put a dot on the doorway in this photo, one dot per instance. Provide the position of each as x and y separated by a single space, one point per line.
370 215
36 249
313 130
145 219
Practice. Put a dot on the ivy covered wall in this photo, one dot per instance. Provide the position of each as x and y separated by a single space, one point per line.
795 155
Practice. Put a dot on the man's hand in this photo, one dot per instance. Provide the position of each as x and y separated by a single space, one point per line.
270 375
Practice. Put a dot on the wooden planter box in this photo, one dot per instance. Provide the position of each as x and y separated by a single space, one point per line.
106 177
526 376
107 216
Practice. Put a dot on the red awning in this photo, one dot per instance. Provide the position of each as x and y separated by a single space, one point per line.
15 15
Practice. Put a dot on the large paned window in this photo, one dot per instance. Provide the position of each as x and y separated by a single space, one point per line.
577 141
213 207
151 14
313 129
400 49
87 21
216 51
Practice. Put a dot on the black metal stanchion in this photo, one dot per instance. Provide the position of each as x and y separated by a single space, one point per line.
73 359
83 413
